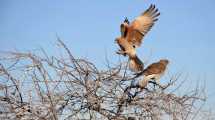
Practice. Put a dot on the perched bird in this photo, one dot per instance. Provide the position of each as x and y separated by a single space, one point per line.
132 36
153 72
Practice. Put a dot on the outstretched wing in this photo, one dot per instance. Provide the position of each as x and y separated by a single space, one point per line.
123 27
142 24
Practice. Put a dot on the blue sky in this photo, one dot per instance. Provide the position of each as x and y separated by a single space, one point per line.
184 33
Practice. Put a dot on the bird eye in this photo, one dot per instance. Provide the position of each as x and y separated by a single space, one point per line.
134 46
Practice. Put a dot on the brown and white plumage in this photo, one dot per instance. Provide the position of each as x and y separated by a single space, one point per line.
132 35
136 30
135 64
156 68
152 72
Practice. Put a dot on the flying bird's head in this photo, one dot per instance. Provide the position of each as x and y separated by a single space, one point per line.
164 61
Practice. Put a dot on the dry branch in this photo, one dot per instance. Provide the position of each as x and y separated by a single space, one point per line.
43 87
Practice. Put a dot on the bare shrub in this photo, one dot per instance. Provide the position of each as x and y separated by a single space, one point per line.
42 87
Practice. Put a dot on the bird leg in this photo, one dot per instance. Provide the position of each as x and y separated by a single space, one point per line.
137 74
121 52
155 83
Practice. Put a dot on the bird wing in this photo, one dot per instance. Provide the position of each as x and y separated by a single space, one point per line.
154 68
123 29
142 24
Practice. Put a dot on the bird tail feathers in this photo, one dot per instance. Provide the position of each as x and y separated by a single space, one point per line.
135 64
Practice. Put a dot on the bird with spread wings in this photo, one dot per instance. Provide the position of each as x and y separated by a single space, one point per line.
132 35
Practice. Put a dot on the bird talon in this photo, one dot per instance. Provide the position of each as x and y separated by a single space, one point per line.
117 52
120 52
138 73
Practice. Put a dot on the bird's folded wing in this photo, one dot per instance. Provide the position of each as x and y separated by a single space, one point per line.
154 68
142 24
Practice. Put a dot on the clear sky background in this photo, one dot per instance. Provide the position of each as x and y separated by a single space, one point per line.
184 34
